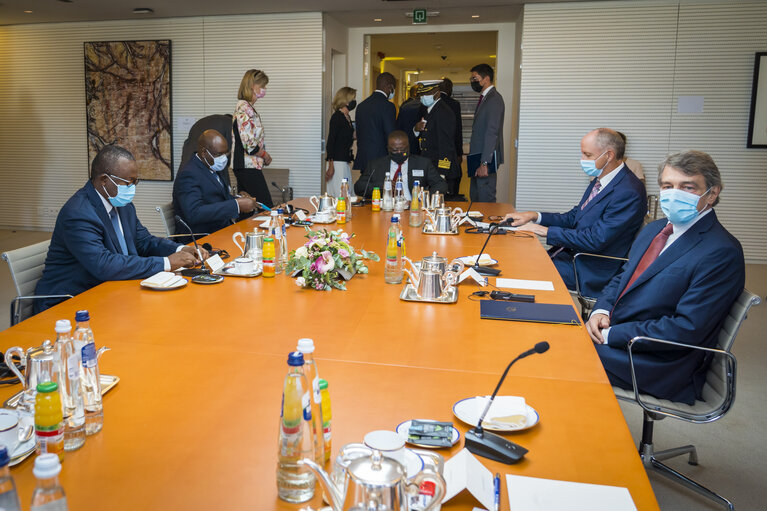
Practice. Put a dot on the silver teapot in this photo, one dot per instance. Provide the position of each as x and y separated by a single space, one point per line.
324 203
443 219
376 483
432 201
434 279
439 263
253 244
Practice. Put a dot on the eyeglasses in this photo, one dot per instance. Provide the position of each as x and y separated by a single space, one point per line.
110 176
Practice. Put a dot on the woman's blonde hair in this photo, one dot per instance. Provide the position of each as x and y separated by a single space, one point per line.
252 77
343 97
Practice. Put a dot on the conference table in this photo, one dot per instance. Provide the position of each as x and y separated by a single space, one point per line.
193 422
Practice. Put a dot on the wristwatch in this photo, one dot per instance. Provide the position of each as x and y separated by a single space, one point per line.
484 163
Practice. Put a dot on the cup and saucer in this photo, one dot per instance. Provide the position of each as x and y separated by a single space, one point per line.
243 267
392 446
14 424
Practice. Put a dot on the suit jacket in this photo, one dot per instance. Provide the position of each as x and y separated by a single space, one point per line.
375 119
201 200
487 131
437 140
376 171
607 226
85 250
455 106
408 116
683 296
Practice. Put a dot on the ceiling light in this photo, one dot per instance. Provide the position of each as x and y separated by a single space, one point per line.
143 10
475 15
378 20
28 11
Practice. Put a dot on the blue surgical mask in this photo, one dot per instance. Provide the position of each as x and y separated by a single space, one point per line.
427 101
680 207
219 162
124 195
590 166
391 95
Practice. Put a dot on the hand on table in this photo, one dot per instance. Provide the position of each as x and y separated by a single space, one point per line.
522 217
182 259
540 230
595 325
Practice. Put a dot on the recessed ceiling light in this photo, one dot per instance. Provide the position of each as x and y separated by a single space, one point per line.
143 10
28 11
377 20
475 15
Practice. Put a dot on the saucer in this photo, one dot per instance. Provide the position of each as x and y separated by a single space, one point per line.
22 450
413 463
403 427
466 411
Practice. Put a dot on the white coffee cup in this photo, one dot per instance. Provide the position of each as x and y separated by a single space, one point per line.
322 216
389 443
244 265
9 429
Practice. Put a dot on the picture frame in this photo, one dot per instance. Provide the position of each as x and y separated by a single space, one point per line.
757 119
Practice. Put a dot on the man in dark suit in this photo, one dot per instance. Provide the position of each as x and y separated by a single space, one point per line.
411 167
409 114
200 196
436 133
681 279
375 119
486 135
604 222
447 96
98 236
219 122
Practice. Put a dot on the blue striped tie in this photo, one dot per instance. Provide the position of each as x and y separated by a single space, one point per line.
118 231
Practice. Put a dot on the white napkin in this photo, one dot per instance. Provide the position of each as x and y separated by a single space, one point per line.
163 279
503 406
483 260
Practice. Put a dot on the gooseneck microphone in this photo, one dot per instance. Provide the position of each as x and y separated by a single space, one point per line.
489 445
191 233
363 200
484 270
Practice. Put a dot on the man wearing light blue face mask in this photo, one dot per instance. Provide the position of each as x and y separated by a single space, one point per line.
683 274
200 195
98 236
604 222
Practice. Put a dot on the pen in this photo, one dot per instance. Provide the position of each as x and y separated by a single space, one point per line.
497 491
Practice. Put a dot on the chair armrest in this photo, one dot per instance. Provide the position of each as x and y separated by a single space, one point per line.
16 311
732 364
575 269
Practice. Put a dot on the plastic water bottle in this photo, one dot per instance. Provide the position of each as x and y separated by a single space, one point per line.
71 396
306 347
48 494
295 483
399 195
282 258
9 498
394 244
387 203
326 417
347 197
275 231
90 379
416 215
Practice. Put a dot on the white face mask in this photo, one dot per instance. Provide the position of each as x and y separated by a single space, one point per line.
219 162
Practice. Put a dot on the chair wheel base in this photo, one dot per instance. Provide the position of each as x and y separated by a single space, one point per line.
693 463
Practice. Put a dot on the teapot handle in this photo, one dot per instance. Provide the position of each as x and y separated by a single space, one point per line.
428 474
234 239
9 362
315 202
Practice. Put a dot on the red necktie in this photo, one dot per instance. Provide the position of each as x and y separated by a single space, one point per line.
651 254
397 172
481 97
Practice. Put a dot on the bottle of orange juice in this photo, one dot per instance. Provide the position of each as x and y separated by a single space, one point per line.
341 211
376 199
49 420
268 254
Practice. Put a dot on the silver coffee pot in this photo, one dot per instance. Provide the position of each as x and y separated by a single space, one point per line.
323 203
433 280
443 219
253 244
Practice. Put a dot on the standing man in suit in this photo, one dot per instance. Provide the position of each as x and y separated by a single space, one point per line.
447 96
409 114
681 279
436 133
200 195
98 236
398 161
486 135
375 120
604 222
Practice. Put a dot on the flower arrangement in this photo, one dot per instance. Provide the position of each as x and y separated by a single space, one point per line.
327 260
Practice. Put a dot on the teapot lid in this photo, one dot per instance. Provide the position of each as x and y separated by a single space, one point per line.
376 470
435 257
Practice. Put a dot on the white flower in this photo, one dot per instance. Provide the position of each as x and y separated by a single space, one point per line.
300 282
302 251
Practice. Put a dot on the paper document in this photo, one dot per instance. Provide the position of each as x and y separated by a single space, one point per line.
535 285
534 494
464 471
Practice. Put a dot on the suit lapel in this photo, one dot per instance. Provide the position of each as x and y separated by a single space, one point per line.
101 212
606 191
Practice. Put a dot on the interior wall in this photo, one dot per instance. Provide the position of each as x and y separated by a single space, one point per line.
504 80
630 75
335 40
42 101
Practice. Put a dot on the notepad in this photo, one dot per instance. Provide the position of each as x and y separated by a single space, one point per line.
161 279
533 285
532 312
534 494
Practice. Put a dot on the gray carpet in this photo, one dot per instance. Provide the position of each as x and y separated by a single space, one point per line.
732 454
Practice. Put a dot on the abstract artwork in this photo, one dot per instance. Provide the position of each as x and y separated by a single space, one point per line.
127 102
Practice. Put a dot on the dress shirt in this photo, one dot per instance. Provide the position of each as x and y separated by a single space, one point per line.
675 235
403 172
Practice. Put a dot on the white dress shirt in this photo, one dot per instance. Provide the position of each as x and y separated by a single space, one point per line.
403 172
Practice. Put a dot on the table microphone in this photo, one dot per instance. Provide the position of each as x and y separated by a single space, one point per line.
363 199
489 445
191 233
484 270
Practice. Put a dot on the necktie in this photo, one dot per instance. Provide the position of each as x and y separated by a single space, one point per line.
594 192
118 231
397 172
651 254
481 97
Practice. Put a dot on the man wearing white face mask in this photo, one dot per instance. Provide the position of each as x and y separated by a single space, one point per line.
683 275
605 220
200 196
98 236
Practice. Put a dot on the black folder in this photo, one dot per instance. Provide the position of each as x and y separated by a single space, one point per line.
532 312
473 162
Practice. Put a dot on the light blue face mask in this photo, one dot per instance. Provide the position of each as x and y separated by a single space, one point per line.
427 101
590 166
124 195
391 95
219 162
680 207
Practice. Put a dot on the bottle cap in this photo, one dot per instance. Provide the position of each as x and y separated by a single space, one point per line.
416 183
280 211
274 212
82 316
296 358
47 466
394 219
305 346
269 239
323 384
63 326
376 188
47 386
4 458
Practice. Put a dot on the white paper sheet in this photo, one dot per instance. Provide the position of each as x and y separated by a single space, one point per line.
464 471
471 272
215 263
535 285
534 494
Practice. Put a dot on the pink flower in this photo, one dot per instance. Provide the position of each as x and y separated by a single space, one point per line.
343 252
325 262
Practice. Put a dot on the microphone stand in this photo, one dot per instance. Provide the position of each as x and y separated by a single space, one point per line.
191 271
484 270
363 199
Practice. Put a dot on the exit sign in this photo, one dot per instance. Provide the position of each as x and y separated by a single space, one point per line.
419 16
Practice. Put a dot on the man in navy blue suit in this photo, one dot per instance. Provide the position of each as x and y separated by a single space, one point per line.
98 236
200 195
374 120
683 275
604 222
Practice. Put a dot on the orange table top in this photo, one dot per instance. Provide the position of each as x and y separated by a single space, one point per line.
193 423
